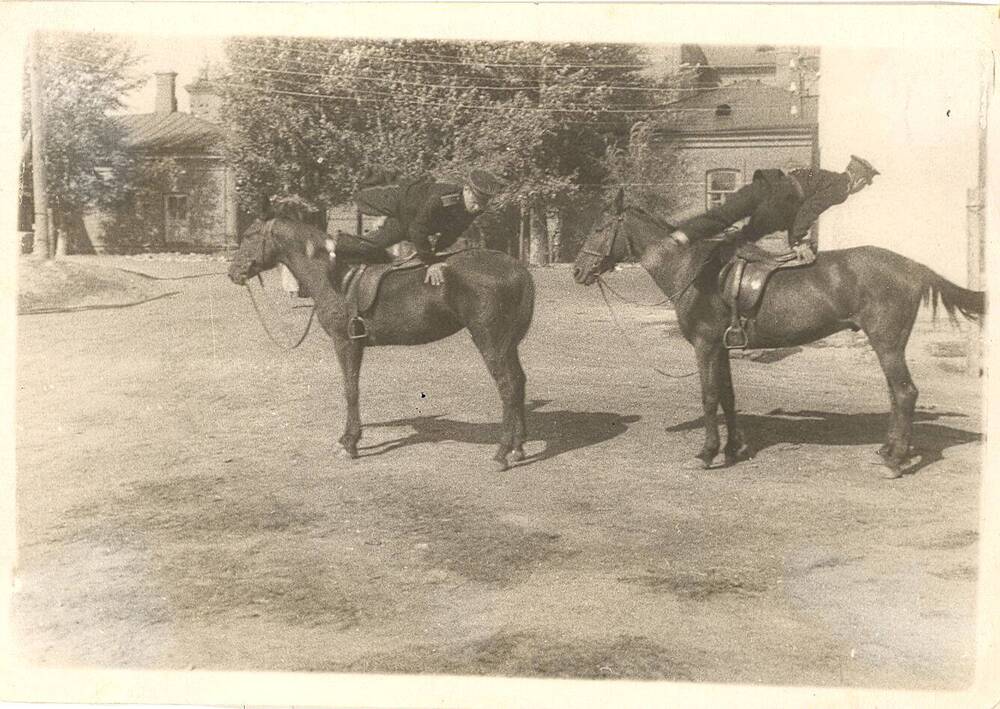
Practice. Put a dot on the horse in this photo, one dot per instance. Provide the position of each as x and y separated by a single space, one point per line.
867 288
485 292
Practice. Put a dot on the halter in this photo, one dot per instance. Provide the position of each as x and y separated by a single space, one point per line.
609 244
605 253
267 233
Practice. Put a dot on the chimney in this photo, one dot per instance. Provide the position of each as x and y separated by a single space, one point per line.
166 99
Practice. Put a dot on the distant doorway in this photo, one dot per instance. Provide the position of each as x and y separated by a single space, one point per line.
176 223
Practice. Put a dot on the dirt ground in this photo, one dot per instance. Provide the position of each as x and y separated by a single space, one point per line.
179 504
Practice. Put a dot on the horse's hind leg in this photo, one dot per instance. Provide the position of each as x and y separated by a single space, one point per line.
903 396
518 381
499 368
889 339
349 355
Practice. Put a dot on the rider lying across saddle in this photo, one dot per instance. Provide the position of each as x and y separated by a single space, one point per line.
431 215
776 201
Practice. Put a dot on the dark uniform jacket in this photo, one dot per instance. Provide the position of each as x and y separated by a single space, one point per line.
774 201
431 215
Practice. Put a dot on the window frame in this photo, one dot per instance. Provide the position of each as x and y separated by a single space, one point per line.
712 194
172 214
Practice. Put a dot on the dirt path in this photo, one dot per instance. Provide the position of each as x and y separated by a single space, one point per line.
179 505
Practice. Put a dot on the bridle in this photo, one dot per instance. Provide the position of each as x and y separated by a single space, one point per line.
606 250
608 246
268 231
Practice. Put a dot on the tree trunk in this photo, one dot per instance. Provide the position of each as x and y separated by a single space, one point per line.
555 235
524 229
539 246
59 230
50 221
40 248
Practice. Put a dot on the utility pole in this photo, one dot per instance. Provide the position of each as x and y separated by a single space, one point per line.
976 225
40 197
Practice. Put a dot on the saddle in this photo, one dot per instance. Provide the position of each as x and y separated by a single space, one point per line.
360 286
742 282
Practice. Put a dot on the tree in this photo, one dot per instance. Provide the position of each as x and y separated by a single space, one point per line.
85 77
308 116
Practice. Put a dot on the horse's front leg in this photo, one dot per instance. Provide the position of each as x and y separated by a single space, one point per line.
707 353
736 448
349 354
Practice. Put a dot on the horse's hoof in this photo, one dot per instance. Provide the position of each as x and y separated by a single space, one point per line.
700 463
346 453
743 454
517 455
891 471
883 451
500 466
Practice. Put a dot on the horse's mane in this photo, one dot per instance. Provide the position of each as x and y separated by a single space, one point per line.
649 216
355 250
711 254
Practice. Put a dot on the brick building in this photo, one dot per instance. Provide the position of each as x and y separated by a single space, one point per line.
748 108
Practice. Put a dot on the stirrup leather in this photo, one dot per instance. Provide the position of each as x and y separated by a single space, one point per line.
735 337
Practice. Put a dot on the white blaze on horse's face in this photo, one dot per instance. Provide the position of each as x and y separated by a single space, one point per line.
331 247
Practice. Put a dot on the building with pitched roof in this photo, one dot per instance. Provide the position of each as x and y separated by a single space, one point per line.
188 201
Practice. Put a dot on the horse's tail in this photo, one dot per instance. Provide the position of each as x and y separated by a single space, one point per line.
937 289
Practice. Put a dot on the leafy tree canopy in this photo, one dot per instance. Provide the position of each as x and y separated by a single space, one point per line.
85 77
307 117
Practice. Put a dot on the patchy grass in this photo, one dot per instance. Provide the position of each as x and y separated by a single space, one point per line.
59 283
698 585
535 655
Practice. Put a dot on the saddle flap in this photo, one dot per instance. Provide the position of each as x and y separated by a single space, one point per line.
742 282
363 282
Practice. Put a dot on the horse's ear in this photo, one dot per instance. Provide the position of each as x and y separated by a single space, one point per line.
619 202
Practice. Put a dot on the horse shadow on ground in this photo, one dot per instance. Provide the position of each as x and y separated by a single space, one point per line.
561 431
779 427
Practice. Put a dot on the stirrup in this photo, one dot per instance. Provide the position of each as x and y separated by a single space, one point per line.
357 328
735 338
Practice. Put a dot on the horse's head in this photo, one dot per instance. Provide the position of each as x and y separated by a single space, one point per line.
606 245
260 247
258 252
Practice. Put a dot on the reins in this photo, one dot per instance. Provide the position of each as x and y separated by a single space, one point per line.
605 287
268 228
635 350
267 331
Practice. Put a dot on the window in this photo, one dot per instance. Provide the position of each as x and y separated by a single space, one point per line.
177 207
719 184
723 109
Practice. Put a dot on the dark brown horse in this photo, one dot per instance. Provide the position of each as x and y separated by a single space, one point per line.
865 288
486 292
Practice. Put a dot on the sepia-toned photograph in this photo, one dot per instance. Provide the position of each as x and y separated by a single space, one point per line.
513 351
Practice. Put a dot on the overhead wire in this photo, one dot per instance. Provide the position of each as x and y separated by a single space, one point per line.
360 95
508 87
296 89
554 64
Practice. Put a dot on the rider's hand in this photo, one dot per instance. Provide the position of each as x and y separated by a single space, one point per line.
804 251
435 274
